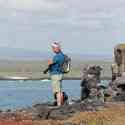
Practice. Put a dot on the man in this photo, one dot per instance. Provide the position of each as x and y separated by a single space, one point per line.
56 72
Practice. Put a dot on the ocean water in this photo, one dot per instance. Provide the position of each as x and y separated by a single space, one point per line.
19 94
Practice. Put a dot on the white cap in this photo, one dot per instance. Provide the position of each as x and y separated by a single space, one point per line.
55 44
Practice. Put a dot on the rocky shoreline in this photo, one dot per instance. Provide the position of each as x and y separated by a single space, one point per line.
80 113
45 112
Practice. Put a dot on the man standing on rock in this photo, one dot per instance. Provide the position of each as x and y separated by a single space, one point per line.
56 73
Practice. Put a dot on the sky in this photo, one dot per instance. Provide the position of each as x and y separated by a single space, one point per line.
81 26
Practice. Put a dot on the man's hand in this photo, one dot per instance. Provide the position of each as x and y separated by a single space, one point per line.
50 62
45 71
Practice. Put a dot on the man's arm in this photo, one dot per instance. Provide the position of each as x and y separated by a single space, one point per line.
50 63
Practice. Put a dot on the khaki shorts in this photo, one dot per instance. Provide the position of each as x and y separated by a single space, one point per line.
56 82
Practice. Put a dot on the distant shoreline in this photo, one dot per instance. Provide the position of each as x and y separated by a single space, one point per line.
43 78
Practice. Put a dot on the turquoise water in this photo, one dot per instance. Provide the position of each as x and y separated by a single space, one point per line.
19 94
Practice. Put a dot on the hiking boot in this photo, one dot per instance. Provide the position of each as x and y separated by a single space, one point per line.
55 103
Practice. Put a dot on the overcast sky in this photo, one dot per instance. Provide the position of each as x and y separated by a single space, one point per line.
82 26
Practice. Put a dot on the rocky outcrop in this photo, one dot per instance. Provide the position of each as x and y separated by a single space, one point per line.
60 113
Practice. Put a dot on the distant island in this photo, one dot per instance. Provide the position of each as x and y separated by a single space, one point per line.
33 69
9 53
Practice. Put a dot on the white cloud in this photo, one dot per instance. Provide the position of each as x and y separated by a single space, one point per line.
54 19
30 4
